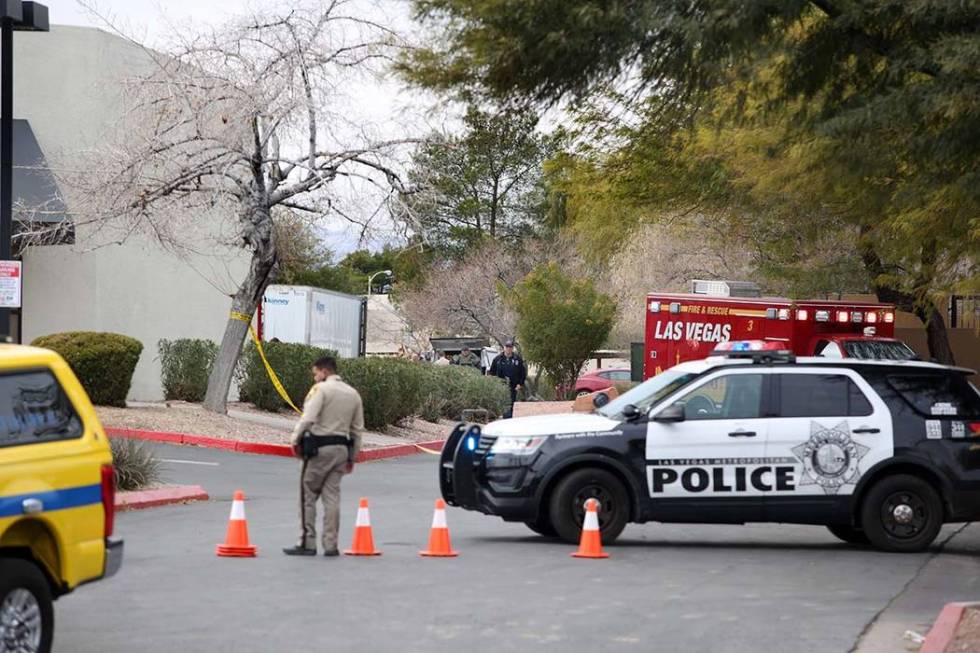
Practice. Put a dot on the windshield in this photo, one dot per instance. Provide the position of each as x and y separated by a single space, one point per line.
892 350
647 393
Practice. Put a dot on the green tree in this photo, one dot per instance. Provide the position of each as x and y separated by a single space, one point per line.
483 183
351 274
560 320
826 112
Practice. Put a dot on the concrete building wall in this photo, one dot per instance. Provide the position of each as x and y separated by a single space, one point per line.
68 85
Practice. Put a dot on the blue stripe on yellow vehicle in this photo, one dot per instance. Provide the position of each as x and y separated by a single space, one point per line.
61 499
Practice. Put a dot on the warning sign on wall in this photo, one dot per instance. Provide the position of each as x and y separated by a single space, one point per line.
10 284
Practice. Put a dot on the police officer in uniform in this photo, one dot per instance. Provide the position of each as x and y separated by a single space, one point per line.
467 358
511 367
333 420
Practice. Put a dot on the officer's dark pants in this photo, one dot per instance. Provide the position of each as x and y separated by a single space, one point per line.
320 479
513 398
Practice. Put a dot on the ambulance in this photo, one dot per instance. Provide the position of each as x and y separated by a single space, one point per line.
687 326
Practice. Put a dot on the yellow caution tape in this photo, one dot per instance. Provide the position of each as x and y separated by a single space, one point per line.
277 384
421 448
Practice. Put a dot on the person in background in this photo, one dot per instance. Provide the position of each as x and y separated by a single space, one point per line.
467 358
510 366
446 359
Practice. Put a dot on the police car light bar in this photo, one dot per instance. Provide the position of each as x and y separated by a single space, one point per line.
757 350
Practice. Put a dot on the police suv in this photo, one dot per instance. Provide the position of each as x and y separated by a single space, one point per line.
880 452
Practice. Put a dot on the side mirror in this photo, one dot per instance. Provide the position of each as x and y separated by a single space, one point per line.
672 413
600 399
631 413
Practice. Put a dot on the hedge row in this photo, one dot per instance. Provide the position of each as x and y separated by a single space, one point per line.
392 389
103 362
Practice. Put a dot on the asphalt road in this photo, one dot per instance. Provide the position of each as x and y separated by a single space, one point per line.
666 588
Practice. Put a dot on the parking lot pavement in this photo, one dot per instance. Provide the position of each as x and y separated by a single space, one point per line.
667 587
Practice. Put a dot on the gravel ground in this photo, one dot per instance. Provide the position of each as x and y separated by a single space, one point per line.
182 417
967 634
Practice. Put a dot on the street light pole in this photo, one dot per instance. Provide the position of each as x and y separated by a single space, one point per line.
6 152
20 16
371 279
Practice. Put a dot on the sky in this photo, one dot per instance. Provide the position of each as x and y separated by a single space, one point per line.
384 105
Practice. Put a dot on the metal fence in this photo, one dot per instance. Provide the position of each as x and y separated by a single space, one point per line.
964 311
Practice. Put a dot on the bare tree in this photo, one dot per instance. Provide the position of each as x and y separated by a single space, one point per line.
664 257
234 124
463 298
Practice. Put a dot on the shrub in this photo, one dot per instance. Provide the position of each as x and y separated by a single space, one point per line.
560 321
390 388
458 388
103 362
135 465
186 365
291 363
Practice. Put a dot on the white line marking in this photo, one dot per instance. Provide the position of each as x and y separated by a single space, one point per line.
188 462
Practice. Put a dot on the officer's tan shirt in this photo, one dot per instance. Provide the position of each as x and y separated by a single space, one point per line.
332 408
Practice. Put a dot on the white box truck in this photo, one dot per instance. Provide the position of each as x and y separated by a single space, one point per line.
313 316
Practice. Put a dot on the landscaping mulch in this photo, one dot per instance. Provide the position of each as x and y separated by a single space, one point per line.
967 639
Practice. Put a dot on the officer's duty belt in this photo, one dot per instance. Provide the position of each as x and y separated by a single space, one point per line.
327 440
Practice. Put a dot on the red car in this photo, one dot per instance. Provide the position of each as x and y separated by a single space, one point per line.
601 379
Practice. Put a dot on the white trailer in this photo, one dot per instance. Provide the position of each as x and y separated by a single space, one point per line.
313 316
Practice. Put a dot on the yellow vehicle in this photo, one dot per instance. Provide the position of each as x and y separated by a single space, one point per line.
57 493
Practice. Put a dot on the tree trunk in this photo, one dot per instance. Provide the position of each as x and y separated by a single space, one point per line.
936 335
244 301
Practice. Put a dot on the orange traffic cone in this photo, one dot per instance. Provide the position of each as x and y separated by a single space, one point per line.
590 546
363 544
439 546
236 539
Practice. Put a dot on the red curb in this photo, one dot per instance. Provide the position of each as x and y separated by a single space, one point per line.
160 497
397 450
261 448
944 630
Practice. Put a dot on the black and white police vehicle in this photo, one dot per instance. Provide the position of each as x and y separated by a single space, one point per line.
880 452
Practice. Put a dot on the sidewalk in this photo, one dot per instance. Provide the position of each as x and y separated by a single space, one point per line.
951 574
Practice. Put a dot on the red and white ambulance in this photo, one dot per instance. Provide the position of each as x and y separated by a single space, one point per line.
687 326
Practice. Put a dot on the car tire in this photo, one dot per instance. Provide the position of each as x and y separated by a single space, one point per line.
542 526
567 505
24 593
848 534
902 513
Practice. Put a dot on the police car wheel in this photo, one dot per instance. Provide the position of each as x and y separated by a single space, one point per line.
26 611
902 513
567 507
542 526
848 534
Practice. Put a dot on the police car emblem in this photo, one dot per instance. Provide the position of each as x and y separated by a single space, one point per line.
830 457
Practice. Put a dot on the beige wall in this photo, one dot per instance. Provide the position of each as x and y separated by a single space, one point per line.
68 85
